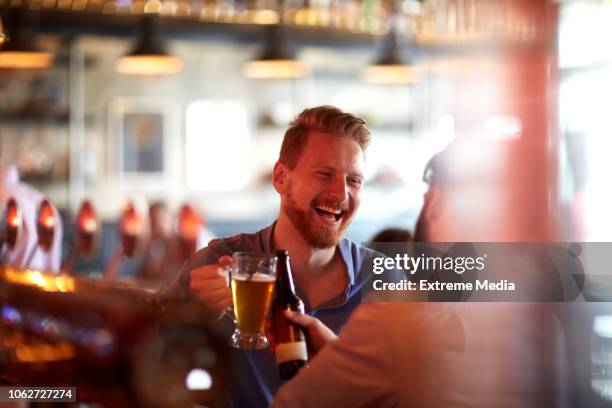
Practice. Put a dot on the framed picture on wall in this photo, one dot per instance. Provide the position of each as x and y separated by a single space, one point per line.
139 137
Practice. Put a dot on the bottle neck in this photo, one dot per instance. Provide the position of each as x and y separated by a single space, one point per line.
284 278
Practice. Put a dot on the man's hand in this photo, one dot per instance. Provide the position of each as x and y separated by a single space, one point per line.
209 285
318 333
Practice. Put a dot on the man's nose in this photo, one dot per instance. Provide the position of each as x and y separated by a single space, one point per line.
338 189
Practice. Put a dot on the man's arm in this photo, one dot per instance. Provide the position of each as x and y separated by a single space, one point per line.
350 371
319 335
202 276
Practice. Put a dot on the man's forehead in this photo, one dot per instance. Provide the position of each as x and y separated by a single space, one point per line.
333 159
318 143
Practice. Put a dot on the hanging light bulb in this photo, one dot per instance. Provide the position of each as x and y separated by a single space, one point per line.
276 61
2 34
149 56
20 50
389 68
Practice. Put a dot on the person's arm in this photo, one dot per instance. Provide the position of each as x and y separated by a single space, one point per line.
208 256
318 334
350 371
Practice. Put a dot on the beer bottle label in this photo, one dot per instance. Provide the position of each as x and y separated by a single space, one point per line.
295 350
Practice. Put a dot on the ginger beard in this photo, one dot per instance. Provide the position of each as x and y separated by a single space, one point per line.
316 234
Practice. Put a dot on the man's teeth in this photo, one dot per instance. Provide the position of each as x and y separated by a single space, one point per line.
328 209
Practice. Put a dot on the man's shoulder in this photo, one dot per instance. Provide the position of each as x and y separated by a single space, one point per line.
251 242
238 242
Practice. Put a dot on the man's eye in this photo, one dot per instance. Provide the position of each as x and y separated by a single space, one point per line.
324 174
356 182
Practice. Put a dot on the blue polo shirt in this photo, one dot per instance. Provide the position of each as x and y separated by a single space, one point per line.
254 376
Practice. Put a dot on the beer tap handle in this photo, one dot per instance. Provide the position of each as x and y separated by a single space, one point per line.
45 230
86 236
68 263
112 269
10 229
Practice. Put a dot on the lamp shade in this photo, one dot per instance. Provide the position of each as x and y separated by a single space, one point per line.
276 60
389 68
2 34
149 56
20 50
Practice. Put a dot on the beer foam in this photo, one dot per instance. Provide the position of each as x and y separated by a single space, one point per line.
256 277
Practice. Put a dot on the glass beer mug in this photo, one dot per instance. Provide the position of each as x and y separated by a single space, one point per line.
252 279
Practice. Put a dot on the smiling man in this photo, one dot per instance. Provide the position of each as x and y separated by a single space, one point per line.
319 177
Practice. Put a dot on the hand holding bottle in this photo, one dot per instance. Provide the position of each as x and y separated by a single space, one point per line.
290 348
318 333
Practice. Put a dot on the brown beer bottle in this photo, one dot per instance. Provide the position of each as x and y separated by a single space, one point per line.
290 342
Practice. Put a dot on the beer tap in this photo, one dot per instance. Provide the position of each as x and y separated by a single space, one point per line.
45 229
188 227
131 227
110 342
12 225
86 238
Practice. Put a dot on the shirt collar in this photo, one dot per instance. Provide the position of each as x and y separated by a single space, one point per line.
345 252
266 238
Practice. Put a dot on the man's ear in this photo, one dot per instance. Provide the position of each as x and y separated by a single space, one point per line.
279 177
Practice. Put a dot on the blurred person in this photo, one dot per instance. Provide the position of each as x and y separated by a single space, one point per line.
389 354
415 354
392 235
436 354
515 352
205 235
319 177
26 254
191 231
390 241
158 255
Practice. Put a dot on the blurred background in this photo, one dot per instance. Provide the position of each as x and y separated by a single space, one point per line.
200 118
126 111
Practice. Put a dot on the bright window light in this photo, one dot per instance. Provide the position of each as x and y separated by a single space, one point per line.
217 146
602 326
502 127
591 121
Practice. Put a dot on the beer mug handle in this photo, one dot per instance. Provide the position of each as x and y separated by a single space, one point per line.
227 272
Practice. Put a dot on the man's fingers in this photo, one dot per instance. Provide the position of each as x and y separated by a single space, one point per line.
208 284
318 334
225 261
206 272
300 319
214 296
223 304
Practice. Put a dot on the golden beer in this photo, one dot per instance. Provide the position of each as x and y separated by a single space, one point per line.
252 297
